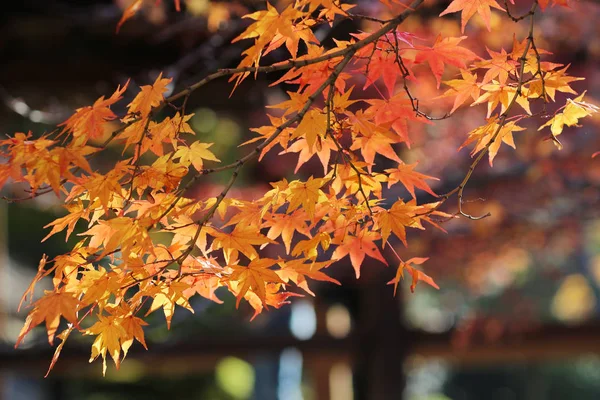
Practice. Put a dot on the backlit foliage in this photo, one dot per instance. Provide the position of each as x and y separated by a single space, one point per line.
119 272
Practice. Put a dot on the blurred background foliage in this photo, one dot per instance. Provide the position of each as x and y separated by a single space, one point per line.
517 316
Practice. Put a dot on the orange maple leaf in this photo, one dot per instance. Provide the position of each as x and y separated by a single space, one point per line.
396 111
396 219
470 7
195 154
357 247
49 309
273 298
166 296
241 239
254 277
483 134
462 89
444 51
297 271
285 225
129 12
89 121
149 96
377 141
415 273
313 125
405 174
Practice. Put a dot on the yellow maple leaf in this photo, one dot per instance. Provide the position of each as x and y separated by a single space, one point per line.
310 247
496 94
166 296
195 154
483 134
108 340
574 110
462 89
306 194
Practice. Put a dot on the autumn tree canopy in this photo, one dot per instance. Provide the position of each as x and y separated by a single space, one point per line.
352 106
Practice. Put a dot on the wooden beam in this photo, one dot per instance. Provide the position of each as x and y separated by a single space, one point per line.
543 344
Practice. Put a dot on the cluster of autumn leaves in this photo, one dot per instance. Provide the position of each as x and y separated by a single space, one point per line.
124 267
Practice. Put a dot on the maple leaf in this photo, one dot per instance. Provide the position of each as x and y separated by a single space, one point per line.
241 239
312 76
38 276
313 125
299 32
195 154
357 247
415 273
102 187
396 112
150 96
469 7
377 141
50 308
273 298
325 147
498 66
268 23
405 174
163 174
285 225
574 110
383 65
294 104
500 94
310 247
63 336
562 3
396 219
483 134
553 81
266 132
254 277
462 89
76 212
250 213
354 180
108 340
166 296
444 51
306 194
341 100
206 286
297 271
129 12
90 121
133 330
97 285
